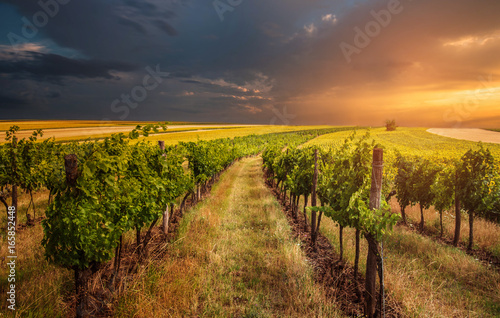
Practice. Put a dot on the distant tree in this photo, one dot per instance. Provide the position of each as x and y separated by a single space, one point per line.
390 125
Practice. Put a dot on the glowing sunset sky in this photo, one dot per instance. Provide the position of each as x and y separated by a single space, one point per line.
422 62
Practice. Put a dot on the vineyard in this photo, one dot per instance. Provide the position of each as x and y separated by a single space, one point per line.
127 205
469 183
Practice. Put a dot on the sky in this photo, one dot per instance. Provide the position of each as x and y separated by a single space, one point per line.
432 63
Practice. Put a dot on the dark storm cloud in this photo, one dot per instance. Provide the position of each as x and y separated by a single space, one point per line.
288 51
189 81
53 94
415 34
187 110
131 23
270 37
7 102
141 5
41 66
165 27
101 29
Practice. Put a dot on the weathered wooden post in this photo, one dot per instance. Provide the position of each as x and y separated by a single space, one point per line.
458 214
161 143
81 276
314 226
371 259
71 167
166 214
166 217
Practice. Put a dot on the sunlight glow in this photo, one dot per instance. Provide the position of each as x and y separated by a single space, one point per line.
474 40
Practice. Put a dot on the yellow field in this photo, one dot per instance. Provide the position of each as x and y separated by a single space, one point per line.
409 141
54 124
80 130
83 133
174 138
65 131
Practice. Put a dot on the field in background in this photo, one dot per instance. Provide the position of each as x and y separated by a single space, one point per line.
408 141
173 138
55 124
472 134
94 133
67 131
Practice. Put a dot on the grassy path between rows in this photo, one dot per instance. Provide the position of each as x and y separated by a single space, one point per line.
234 257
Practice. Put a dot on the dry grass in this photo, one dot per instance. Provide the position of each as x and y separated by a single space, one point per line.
430 279
448 282
486 233
41 288
234 258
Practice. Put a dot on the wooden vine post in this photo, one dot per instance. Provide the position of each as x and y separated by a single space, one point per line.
166 214
81 276
373 254
314 225
71 167
458 214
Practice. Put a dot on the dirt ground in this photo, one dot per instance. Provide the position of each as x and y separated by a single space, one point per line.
471 134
